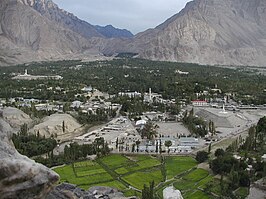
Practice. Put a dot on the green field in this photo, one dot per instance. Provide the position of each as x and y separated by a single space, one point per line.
177 165
192 183
123 172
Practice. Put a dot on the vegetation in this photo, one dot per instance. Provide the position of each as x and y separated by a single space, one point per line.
31 144
194 124
109 76
202 156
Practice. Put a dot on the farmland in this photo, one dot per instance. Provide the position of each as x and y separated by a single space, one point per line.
130 173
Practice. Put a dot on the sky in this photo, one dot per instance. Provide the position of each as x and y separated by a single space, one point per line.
134 15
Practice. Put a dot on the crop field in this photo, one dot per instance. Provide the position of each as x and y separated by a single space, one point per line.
126 172
177 165
191 184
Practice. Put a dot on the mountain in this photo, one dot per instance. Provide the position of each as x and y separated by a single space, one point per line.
31 36
111 32
228 32
41 31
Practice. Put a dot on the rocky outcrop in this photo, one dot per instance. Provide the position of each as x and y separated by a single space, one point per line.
20 177
69 191
171 193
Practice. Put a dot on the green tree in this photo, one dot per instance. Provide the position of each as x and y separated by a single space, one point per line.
201 156
168 143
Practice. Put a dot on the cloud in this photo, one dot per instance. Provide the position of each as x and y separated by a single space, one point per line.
134 15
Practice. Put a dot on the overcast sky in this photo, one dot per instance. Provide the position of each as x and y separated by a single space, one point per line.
134 15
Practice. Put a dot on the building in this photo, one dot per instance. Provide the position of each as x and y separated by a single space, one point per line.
27 76
263 158
200 103
189 141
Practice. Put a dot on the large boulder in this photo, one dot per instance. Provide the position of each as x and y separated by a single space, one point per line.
21 177
171 193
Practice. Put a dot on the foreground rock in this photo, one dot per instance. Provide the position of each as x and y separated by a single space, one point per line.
21 177
69 191
258 190
171 193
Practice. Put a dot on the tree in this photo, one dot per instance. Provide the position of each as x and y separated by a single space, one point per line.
137 143
219 152
202 156
116 143
210 148
148 192
168 143
149 131
133 148
63 126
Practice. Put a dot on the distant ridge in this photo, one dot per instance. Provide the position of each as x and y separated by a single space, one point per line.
111 32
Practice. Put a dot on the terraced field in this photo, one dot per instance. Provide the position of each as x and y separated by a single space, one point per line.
130 173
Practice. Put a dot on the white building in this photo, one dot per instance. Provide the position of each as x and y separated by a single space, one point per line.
189 141
200 103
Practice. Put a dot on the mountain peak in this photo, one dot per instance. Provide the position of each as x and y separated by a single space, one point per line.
111 32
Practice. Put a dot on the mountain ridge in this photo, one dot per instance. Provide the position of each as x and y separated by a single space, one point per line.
213 32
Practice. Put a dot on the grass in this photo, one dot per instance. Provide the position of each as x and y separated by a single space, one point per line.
177 165
191 183
197 175
138 165
139 178
196 195
242 192
121 172
115 161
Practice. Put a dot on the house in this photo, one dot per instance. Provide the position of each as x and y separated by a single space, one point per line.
76 104
200 103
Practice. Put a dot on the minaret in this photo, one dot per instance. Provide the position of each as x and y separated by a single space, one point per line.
26 72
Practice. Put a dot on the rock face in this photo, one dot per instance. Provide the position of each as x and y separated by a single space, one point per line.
69 191
171 193
15 117
228 32
21 177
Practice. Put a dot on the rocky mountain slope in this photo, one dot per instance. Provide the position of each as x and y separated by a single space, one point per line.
39 30
228 32
111 32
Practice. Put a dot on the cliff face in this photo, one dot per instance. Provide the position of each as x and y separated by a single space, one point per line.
21 177
50 10
31 36
210 32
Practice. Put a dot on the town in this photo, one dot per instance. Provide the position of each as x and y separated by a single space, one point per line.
179 115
